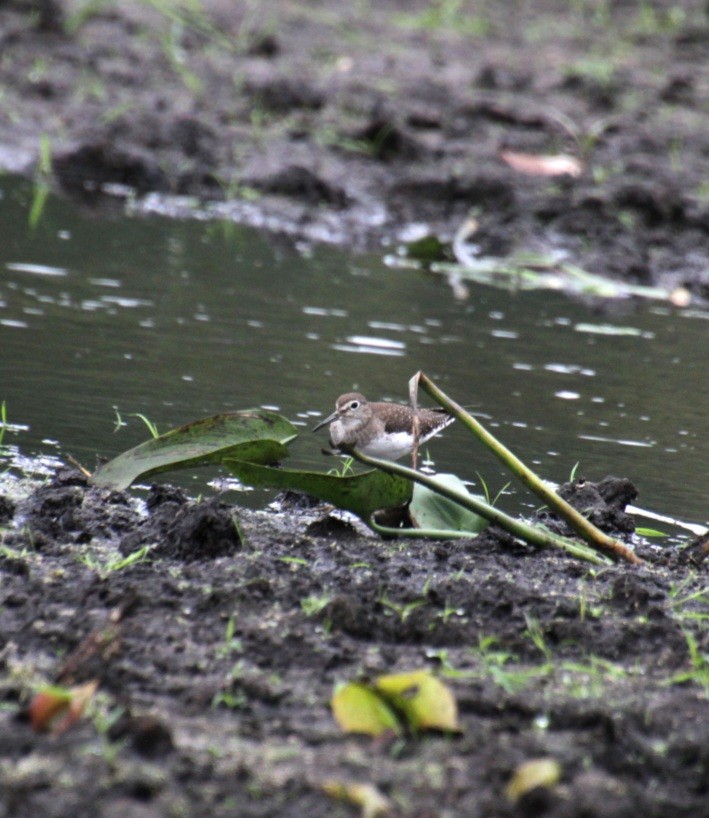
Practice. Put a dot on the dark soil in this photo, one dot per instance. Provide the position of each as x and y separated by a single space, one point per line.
217 648
352 122
216 634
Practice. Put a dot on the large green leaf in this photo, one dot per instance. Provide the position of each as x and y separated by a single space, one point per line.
362 494
255 435
433 512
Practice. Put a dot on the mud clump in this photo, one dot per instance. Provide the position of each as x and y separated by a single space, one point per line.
93 165
602 503
182 529
66 510
7 510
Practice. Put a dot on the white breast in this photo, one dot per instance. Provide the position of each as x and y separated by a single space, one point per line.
389 447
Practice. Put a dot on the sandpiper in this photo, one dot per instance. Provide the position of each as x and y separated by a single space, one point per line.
383 430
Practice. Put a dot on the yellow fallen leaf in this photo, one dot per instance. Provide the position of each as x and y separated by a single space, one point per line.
425 700
359 709
366 796
538 772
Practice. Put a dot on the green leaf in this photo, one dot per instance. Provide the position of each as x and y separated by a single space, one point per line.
358 708
362 494
650 532
255 435
426 249
434 512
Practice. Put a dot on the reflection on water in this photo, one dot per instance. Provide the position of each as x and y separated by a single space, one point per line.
182 319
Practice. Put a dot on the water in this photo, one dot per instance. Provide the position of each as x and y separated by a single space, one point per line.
179 319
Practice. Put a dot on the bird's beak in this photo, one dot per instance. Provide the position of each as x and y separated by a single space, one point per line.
325 421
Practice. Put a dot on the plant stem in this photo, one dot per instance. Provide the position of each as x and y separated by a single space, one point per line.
518 528
583 527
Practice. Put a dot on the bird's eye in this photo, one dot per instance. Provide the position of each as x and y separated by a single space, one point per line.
354 404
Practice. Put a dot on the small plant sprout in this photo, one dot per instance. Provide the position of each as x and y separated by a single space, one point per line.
699 672
312 605
120 423
484 487
104 717
152 427
494 664
231 644
20 555
3 420
294 561
112 564
441 657
449 611
231 695
534 632
402 609
683 606
499 494
492 501
45 155
572 475
42 186
345 469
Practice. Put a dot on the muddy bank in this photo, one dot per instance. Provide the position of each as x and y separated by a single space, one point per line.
352 124
216 647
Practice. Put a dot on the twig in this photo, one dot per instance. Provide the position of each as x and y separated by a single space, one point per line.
75 462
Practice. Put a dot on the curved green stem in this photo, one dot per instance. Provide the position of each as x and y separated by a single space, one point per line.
583 527
518 528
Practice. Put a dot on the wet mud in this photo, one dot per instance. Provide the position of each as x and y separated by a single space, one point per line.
364 124
217 634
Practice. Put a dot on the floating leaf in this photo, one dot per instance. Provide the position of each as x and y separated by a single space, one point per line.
366 796
58 708
362 494
425 700
520 272
256 435
434 512
539 772
358 708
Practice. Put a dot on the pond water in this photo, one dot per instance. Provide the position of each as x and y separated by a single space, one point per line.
178 319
